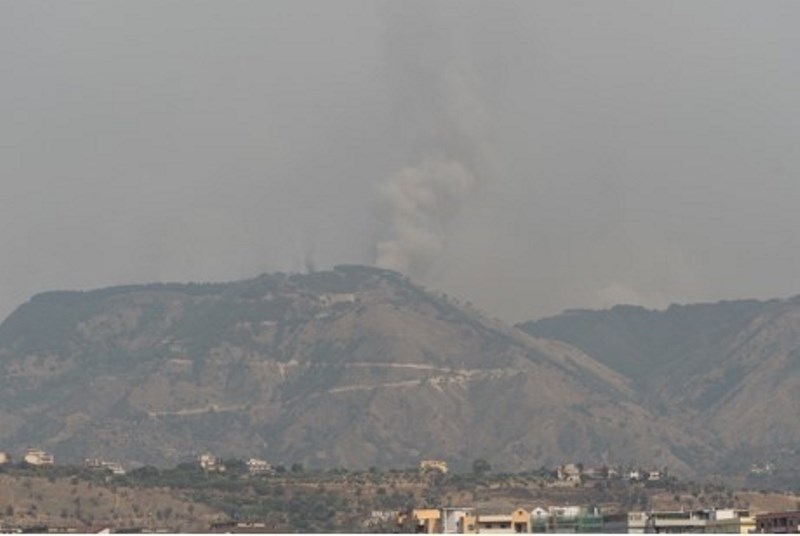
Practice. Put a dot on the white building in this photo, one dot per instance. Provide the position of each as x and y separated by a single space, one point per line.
114 467
38 458
258 467
96 463
540 513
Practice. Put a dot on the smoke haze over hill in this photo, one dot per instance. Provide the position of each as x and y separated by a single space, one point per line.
445 118
528 157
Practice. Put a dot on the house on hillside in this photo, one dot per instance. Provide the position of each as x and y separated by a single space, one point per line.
570 473
114 468
603 472
5 458
38 458
329 300
438 466
256 466
654 475
209 462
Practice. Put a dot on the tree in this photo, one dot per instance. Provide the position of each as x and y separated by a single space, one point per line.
235 466
481 466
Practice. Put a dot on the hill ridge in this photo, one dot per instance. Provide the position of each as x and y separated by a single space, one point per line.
353 366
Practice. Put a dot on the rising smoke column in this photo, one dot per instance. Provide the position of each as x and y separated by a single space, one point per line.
443 122
420 202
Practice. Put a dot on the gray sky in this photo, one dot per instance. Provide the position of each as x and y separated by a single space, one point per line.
526 156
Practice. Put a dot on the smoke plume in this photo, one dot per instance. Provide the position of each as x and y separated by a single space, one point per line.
420 201
443 123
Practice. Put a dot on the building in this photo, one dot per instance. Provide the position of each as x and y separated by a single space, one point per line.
680 521
328 300
38 458
461 520
256 466
422 521
494 524
453 519
468 524
517 522
723 521
438 466
669 521
521 520
731 521
569 473
209 462
540 519
778 523
5 458
114 468
540 513
568 511
574 519
654 476
638 523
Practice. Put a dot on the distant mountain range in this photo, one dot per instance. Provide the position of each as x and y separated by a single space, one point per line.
727 372
360 366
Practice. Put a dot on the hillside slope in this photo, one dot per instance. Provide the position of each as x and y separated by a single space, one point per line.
354 366
730 369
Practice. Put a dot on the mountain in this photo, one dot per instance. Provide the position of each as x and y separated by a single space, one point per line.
350 367
728 371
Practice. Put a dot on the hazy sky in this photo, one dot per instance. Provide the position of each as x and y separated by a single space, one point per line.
527 156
